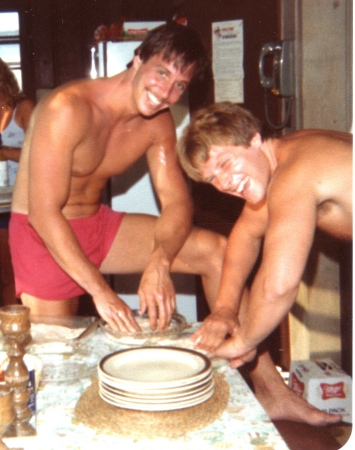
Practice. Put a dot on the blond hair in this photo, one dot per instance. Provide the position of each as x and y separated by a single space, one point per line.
223 124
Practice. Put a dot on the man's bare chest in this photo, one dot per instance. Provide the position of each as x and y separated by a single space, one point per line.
111 153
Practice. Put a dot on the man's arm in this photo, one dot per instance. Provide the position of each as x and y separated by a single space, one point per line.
156 290
242 252
292 222
59 126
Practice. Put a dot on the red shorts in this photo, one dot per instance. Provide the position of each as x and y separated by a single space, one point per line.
36 272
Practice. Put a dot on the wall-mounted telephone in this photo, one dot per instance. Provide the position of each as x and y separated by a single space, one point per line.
281 81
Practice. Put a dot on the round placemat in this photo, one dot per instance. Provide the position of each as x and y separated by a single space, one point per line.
95 413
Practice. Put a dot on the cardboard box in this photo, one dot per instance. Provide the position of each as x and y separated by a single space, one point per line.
324 385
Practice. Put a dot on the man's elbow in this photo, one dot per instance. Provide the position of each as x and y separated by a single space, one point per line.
278 291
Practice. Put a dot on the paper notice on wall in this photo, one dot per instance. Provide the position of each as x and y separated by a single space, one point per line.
227 65
229 89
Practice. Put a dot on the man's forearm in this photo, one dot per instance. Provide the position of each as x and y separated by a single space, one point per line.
240 258
265 312
171 231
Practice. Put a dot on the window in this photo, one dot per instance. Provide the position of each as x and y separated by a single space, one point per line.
10 43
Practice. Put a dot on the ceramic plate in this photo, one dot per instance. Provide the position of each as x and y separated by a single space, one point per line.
156 401
155 397
148 386
145 391
155 367
157 407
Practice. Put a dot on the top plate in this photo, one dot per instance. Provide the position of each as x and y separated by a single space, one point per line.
155 367
177 325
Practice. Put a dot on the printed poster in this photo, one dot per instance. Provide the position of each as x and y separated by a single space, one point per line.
227 64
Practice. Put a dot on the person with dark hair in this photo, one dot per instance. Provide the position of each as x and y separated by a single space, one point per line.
292 186
176 43
15 113
62 238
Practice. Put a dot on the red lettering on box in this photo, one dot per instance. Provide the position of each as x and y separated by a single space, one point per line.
297 385
332 390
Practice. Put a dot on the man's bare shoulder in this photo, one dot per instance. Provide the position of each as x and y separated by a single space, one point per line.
69 104
303 139
313 151
161 126
315 171
75 93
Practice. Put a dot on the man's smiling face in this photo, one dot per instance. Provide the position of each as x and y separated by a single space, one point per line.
158 84
239 171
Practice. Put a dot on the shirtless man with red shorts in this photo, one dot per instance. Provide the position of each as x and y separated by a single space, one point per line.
82 134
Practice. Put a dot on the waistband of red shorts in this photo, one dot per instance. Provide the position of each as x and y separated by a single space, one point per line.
23 218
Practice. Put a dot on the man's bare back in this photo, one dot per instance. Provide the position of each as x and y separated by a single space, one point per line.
318 162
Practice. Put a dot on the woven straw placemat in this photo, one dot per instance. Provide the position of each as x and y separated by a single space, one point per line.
95 413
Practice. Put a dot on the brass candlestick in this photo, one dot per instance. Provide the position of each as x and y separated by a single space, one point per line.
7 412
15 326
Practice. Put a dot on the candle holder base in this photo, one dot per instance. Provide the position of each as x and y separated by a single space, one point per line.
15 326
19 430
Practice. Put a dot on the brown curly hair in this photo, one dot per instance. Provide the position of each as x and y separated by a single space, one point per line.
222 124
9 88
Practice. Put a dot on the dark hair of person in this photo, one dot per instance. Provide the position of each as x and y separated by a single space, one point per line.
177 43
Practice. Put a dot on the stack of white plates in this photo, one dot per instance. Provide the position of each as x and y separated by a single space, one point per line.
155 378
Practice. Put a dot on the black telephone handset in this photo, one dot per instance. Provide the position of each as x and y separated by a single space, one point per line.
281 82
